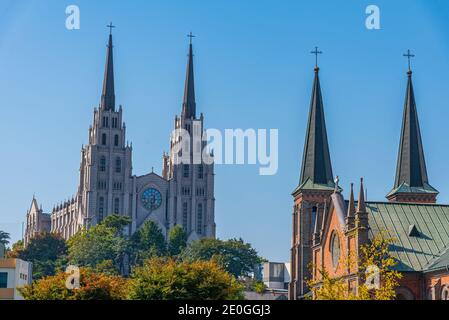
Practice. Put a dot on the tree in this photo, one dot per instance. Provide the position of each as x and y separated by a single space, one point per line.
105 241
177 240
147 242
93 286
235 256
161 279
16 249
46 251
4 238
375 253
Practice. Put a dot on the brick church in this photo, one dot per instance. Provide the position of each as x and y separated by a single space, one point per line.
328 228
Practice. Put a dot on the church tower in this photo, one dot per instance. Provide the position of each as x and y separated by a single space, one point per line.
105 170
412 183
191 179
315 187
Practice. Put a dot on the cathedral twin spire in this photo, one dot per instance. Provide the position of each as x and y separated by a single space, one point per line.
411 183
108 92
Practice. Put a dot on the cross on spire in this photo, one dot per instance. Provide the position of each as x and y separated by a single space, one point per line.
409 55
110 26
191 36
316 53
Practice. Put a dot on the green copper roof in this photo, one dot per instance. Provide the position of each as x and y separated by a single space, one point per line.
309 185
417 251
405 188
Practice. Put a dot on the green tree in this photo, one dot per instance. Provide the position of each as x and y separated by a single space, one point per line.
46 251
93 286
177 240
235 256
162 279
15 250
100 243
4 238
147 242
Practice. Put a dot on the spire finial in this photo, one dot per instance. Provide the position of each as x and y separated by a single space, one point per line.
191 36
409 56
316 52
110 26
361 203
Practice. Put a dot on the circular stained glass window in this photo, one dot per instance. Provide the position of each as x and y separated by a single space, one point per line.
151 199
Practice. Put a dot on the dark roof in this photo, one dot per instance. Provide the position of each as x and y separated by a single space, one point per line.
411 172
316 163
425 245
188 103
108 93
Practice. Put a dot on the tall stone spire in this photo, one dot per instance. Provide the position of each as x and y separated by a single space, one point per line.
316 164
351 209
411 183
108 93
188 103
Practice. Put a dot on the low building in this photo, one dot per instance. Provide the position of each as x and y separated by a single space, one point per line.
14 273
276 275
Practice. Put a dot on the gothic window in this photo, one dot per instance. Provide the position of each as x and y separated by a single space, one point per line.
312 220
118 165
186 171
335 249
114 123
116 140
200 172
199 226
103 164
103 139
116 205
105 122
100 209
184 215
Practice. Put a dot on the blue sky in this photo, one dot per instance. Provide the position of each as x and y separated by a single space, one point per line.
253 70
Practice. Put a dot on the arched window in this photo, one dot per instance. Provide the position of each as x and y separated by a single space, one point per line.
103 164
118 165
103 139
184 215
200 172
116 205
199 226
100 209
335 249
116 140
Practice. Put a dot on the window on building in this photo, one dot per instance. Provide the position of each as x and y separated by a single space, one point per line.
103 164
114 123
184 215
116 205
100 209
118 165
105 122
116 140
199 227
335 249
445 293
186 171
200 172
3 280
103 139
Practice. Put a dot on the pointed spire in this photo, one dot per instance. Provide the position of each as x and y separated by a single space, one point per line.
411 172
351 205
188 103
108 93
361 206
316 164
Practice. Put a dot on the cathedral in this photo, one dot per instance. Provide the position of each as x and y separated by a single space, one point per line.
182 195
327 229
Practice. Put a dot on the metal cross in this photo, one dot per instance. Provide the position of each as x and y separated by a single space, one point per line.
110 26
409 56
191 36
316 53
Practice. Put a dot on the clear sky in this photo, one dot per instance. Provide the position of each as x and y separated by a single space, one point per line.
253 70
